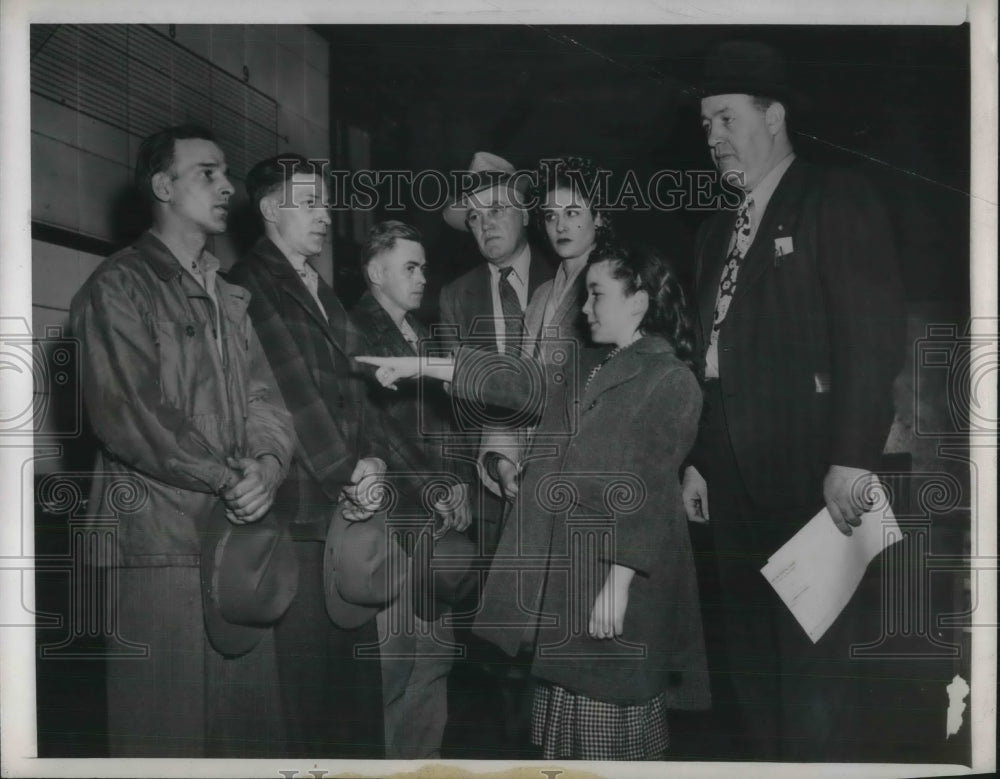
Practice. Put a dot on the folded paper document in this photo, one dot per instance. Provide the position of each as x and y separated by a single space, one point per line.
817 571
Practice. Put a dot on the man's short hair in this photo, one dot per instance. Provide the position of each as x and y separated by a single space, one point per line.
274 172
156 152
383 236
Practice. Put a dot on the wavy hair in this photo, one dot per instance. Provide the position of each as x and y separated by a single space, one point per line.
647 270
582 175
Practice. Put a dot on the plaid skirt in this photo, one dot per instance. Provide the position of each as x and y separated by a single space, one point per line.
568 726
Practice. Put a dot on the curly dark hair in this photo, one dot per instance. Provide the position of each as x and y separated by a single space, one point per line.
582 175
645 269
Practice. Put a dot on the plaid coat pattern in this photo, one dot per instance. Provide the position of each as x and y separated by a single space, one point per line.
323 388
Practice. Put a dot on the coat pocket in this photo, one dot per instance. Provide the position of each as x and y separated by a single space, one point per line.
189 366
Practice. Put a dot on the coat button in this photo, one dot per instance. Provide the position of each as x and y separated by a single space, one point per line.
189 330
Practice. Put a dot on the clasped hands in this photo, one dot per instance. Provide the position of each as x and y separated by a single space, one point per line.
249 499
367 490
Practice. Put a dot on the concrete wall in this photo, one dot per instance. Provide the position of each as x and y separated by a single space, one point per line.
81 167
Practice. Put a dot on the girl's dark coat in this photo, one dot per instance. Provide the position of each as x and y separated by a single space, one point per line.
606 492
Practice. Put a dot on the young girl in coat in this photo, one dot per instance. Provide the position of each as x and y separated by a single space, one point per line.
617 632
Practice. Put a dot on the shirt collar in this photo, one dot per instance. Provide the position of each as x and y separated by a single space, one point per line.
301 266
207 264
761 194
520 265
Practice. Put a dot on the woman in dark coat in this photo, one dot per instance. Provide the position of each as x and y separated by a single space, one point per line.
618 636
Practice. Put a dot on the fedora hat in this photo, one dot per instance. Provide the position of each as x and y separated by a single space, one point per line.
486 171
363 569
249 576
747 68
444 573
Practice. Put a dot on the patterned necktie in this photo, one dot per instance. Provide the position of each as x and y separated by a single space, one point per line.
727 285
513 316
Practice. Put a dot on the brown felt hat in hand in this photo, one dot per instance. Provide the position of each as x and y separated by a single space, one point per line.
363 569
249 576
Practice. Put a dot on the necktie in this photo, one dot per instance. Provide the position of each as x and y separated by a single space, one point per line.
310 278
727 285
410 336
513 316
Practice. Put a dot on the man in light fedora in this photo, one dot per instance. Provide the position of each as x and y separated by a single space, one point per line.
802 329
485 306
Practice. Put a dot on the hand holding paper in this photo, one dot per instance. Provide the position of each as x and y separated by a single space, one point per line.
818 570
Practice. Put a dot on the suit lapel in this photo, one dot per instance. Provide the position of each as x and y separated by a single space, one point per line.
538 272
535 313
384 330
785 203
288 281
572 302
290 284
478 305
339 330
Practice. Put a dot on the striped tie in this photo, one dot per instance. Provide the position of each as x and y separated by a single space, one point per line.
513 316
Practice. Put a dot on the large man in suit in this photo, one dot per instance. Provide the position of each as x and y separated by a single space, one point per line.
485 306
331 697
801 321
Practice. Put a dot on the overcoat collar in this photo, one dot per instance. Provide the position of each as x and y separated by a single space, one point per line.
624 367
160 257
384 330
336 325
232 298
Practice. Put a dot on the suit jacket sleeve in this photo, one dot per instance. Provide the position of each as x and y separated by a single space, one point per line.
507 380
449 319
866 317
269 425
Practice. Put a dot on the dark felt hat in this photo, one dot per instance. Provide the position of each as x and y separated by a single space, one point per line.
363 569
748 68
249 576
